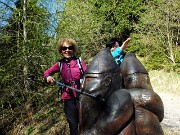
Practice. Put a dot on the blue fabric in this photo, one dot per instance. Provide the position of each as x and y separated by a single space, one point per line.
118 55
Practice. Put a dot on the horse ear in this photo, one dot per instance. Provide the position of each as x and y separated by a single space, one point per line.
107 80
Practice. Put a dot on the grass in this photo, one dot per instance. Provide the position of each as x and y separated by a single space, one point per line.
168 83
165 82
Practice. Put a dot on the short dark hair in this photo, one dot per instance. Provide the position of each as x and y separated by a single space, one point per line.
112 42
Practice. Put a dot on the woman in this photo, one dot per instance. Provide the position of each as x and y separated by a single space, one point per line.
71 74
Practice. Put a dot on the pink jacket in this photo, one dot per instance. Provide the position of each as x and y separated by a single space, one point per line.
68 74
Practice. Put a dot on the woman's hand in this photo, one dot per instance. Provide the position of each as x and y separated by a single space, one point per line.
50 80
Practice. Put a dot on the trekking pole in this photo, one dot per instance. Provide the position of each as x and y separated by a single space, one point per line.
98 97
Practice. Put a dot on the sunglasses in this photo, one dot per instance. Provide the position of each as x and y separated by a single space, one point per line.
65 48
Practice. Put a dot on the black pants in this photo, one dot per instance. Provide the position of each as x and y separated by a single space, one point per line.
72 114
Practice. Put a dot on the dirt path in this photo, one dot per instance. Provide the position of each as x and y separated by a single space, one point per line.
171 121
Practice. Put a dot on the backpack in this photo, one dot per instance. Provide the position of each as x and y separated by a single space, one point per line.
79 61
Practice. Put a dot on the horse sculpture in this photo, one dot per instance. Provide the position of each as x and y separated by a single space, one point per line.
130 106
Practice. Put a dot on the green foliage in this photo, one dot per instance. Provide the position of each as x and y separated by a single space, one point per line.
22 54
158 31
92 23
28 131
18 51
46 115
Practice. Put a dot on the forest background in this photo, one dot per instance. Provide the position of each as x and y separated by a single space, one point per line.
29 33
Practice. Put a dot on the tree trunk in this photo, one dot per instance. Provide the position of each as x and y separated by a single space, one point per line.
25 69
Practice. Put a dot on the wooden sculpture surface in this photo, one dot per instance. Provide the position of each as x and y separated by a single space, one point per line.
131 106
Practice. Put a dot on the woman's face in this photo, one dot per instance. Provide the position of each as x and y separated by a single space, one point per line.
67 50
